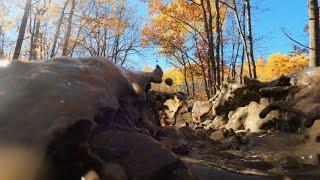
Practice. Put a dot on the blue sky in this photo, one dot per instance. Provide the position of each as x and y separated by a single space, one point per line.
269 17
274 15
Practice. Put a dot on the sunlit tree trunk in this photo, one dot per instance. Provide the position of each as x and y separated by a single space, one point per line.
314 52
69 28
58 29
192 76
22 30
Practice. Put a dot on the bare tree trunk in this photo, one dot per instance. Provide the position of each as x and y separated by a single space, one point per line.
218 42
205 81
58 29
211 62
250 38
203 71
186 80
22 30
193 85
234 73
222 56
35 39
192 77
68 34
2 42
314 52
232 64
32 27
242 34
241 68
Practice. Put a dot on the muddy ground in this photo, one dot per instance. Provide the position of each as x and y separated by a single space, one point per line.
221 153
254 156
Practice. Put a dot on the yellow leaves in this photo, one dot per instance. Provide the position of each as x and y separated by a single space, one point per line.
175 74
279 64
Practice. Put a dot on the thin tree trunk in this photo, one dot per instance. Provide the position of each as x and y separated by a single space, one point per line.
211 62
186 80
203 71
35 40
2 42
241 68
314 52
193 85
22 30
218 42
58 29
192 77
234 74
232 59
250 39
32 27
222 57
243 35
205 81
69 28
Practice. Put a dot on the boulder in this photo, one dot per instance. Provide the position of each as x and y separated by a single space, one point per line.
142 156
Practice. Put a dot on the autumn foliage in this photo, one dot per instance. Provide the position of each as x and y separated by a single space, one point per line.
277 65
267 69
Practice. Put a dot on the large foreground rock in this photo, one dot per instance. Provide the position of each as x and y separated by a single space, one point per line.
140 155
49 109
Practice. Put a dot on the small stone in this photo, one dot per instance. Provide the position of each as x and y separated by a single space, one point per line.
201 133
217 135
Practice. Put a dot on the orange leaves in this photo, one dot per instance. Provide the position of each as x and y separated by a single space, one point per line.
176 26
168 29
155 6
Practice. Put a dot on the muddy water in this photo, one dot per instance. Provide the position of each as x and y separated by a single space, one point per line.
258 155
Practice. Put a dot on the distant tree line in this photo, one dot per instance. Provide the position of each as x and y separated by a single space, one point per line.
50 28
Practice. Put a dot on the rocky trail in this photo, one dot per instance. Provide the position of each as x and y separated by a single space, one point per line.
229 137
